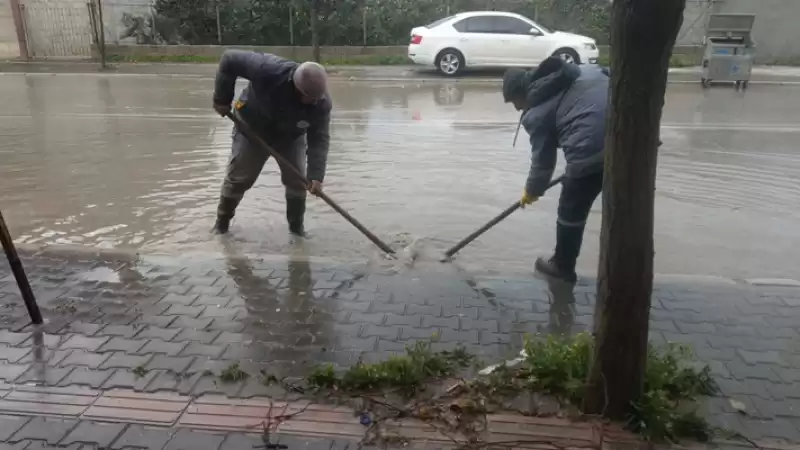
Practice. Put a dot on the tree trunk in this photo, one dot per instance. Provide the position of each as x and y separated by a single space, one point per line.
642 37
315 30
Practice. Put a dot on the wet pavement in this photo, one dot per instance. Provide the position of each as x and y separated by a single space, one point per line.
136 163
172 325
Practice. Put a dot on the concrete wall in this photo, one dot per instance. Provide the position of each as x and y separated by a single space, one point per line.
9 46
214 51
775 31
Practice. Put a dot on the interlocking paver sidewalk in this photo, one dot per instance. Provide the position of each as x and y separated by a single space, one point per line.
166 324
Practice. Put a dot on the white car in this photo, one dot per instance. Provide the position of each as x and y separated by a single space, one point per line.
494 39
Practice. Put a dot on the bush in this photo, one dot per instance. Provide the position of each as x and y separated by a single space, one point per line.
388 22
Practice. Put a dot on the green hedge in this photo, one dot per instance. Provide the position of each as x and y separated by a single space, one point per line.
344 22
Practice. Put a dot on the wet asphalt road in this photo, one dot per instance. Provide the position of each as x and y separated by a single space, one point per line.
136 162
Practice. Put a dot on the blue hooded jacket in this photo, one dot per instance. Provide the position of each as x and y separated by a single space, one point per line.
565 107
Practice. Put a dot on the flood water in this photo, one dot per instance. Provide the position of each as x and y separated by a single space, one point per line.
136 162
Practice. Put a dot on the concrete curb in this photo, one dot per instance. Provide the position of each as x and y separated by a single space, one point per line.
130 255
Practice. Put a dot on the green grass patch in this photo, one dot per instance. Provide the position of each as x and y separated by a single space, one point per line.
406 373
554 367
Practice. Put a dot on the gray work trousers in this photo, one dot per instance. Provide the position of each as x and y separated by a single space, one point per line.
248 159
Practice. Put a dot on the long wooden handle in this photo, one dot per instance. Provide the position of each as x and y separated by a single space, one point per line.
490 224
245 129
19 273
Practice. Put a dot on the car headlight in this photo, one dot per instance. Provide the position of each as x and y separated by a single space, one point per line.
590 46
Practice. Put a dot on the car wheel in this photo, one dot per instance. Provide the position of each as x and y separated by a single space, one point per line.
569 55
450 62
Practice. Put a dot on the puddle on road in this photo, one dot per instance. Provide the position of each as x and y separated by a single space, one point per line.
138 165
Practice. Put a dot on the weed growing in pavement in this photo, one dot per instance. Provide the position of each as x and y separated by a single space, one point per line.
553 367
407 373
233 374
140 371
667 410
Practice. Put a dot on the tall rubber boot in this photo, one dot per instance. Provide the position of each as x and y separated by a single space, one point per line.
295 212
568 247
225 212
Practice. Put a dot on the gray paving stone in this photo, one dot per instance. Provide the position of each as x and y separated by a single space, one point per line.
137 436
44 375
44 429
84 359
11 338
100 434
190 323
743 372
161 347
122 379
153 332
22 445
84 328
385 332
414 321
185 439
119 344
367 318
78 342
120 360
42 339
13 354
81 376
197 349
440 322
178 299
230 338
185 311
156 321
124 331
212 300
175 364
762 357
10 425
196 336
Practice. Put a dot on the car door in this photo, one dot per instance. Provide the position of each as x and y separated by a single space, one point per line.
478 40
523 43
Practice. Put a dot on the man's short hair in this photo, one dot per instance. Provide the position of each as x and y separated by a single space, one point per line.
311 79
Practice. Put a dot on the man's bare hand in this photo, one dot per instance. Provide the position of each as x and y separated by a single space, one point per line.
315 188
222 109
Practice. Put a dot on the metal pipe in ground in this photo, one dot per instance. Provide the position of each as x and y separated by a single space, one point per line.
245 129
19 273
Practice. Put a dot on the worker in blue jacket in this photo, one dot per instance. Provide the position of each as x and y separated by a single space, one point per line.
564 105
288 105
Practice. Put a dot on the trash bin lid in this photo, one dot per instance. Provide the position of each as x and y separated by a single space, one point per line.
724 25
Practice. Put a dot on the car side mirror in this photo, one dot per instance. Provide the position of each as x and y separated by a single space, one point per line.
535 32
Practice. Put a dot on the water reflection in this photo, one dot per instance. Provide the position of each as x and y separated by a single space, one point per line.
562 307
284 318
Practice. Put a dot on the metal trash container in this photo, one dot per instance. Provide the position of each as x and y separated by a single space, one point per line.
729 49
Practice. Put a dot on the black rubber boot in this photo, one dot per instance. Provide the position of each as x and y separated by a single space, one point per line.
225 212
295 212
568 247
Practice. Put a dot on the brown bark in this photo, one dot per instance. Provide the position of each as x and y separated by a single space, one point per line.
315 30
642 37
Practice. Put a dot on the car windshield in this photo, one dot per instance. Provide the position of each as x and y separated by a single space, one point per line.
541 27
438 22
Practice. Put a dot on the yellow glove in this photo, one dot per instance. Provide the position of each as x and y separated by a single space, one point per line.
527 199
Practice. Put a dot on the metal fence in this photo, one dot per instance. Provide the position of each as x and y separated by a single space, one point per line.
57 30
343 22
